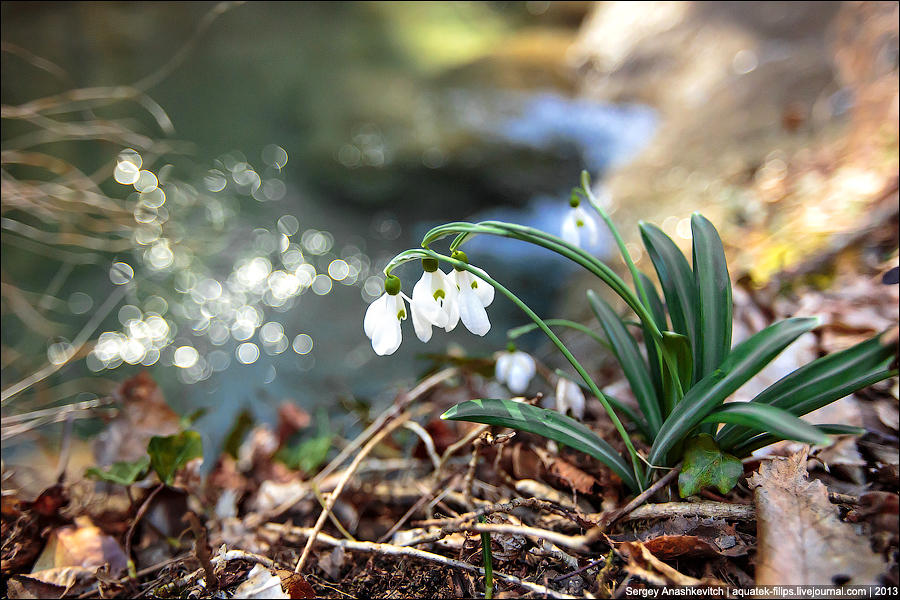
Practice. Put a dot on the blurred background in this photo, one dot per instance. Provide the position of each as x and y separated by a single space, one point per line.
210 191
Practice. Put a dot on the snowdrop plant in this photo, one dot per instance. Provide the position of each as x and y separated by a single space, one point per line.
515 369
680 378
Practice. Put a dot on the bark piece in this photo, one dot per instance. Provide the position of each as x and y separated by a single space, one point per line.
800 539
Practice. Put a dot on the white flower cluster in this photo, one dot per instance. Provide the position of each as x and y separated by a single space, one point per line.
439 300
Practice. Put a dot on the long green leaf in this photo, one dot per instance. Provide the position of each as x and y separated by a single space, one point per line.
764 439
767 419
713 294
677 369
744 361
821 382
654 360
676 279
546 423
626 351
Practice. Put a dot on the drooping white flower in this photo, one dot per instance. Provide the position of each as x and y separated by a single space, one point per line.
382 321
514 368
569 397
474 296
579 227
433 302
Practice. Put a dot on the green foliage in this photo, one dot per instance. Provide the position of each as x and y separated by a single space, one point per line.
688 368
705 465
547 423
170 453
123 473
308 455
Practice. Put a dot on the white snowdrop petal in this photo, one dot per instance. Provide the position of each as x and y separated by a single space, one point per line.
387 337
484 290
374 313
570 230
501 368
421 324
472 313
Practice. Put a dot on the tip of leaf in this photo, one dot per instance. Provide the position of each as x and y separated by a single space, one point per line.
449 413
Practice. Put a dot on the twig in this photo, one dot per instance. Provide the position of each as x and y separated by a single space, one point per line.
399 405
533 503
718 510
453 448
216 561
332 498
80 340
412 509
140 513
641 498
427 440
202 551
576 542
391 550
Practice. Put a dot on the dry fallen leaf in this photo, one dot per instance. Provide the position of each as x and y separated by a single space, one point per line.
573 476
800 539
642 563
690 536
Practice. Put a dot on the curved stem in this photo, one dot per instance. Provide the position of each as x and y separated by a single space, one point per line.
520 331
551 242
411 255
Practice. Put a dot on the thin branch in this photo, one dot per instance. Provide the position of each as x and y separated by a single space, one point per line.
718 510
332 498
391 550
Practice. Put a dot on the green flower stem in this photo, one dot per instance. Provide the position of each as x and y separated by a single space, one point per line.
551 242
415 254
488 561
626 256
522 330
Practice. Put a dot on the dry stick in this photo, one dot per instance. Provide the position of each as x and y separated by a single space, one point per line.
533 503
402 402
427 440
332 498
576 542
140 513
718 510
453 448
216 561
412 509
390 549
641 498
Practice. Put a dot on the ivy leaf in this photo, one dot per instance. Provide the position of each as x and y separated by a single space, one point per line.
307 455
170 453
123 473
707 466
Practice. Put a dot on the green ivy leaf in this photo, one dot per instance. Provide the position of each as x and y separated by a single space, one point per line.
170 453
308 455
707 466
123 473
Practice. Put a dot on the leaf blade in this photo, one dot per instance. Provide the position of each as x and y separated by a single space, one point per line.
543 422
629 356
744 361
767 419
170 453
713 286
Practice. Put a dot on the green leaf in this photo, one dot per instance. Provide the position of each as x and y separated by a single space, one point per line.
170 453
744 361
768 419
123 473
706 466
713 295
629 356
658 310
821 382
546 423
764 439
676 279
308 455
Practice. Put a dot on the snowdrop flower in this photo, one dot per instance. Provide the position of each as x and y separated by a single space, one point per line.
514 368
474 296
433 300
569 397
382 321
579 227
